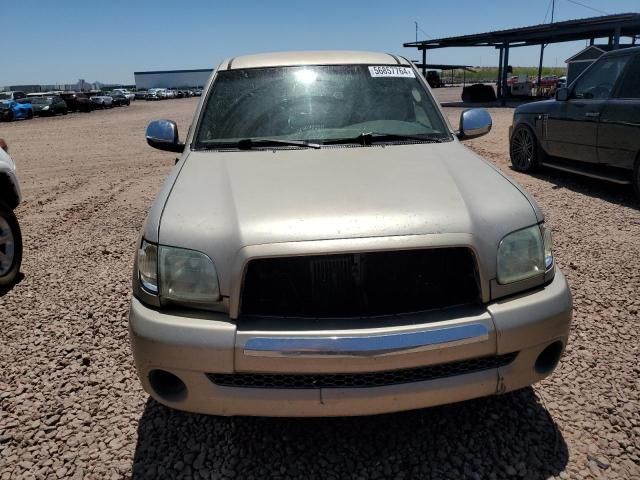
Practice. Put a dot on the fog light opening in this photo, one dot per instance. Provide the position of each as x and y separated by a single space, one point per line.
548 358
167 385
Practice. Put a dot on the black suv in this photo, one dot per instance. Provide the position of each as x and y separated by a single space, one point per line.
591 128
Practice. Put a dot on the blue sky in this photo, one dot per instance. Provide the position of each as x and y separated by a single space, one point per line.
62 41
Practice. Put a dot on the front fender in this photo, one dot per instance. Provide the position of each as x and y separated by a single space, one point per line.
9 188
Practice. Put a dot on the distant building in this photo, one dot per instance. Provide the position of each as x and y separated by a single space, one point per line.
581 60
172 78
24 88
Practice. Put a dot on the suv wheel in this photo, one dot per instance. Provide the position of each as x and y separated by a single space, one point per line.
10 246
525 151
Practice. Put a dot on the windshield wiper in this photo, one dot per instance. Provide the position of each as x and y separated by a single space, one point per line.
369 138
249 143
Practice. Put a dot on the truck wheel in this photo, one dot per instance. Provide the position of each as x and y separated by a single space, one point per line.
636 178
10 246
524 149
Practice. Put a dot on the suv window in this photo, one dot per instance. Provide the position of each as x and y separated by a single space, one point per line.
598 82
630 85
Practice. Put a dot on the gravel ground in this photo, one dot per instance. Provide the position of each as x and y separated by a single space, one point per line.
71 405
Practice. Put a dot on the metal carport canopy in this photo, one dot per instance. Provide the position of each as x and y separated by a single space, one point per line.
624 24
611 26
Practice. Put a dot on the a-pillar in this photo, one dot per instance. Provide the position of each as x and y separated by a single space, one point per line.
505 66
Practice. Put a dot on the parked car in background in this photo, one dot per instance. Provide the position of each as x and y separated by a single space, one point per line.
49 106
289 268
591 128
562 82
77 101
101 101
141 94
154 94
10 234
434 79
119 99
12 110
129 95
12 95
548 81
168 93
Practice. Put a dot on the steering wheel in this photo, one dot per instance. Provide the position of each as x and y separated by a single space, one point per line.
321 105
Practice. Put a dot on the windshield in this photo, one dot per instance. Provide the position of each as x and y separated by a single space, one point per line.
318 103
5 96
41 100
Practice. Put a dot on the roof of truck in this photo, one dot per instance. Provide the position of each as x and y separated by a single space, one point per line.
281 59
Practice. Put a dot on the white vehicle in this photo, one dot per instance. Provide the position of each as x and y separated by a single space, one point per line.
155 94
102 101
10 95
562 82
161 92
10 235
126 93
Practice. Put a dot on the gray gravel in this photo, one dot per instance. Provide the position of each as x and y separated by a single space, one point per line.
71 405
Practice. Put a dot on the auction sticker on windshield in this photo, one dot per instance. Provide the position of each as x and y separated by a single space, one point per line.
389 71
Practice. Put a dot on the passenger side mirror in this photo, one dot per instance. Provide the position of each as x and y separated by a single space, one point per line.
474 122
562 95
163 135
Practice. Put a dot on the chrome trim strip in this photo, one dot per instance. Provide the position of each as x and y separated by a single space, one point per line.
370 346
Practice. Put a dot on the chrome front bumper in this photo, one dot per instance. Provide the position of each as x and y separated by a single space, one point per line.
191 345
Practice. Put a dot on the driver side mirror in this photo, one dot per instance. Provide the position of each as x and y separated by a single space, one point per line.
562 95
163 135
474 122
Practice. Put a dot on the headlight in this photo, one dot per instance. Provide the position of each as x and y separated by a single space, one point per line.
46 108
187 276
178 275
524 254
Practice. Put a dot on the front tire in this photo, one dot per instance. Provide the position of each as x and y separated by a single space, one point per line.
29 114
10 246
524 150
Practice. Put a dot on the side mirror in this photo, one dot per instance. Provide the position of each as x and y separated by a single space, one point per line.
474 122
562 95
163 135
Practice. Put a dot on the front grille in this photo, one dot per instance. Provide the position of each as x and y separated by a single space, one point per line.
360 284
360 380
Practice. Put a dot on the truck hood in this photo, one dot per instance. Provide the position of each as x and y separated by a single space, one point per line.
223 201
